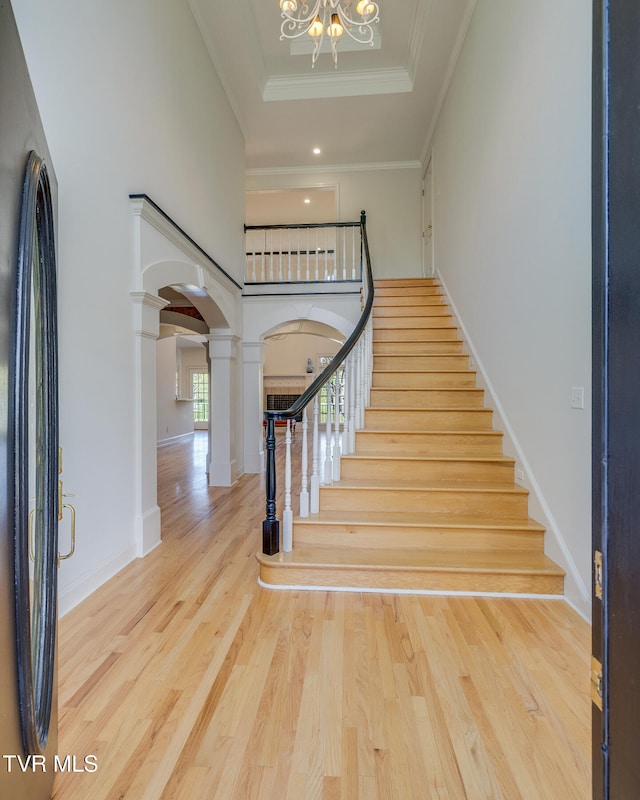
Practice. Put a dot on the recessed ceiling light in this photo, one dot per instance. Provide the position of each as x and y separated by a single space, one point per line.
316 151
307 200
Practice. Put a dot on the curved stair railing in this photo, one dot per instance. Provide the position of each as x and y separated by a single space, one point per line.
354 358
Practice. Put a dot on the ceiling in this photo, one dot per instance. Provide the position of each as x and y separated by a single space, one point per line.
379 106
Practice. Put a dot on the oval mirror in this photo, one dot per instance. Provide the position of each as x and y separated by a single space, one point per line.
35 466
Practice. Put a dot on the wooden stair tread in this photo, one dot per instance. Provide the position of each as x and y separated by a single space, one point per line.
428 431
420 519
433 561
488 459
427 389
417 356
453 409
393 282
443 371
432 486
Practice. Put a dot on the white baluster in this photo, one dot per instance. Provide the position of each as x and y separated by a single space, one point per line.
304 492
316 256
358 415
343 233
299 273
327 476
315 460
335 453
369 369
271 256
352 402
353 252
287 514
345 425
326 253
363 381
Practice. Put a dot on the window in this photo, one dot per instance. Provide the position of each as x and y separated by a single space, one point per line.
327 393
200 394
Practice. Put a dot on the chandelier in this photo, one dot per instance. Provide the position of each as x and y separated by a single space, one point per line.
330 18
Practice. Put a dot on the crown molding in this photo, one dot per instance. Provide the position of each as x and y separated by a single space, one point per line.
416 42
342 84
451 68
382 165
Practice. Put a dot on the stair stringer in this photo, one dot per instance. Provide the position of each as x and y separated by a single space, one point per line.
555 547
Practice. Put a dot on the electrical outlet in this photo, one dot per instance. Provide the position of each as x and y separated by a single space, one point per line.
472 362
577 397
519 474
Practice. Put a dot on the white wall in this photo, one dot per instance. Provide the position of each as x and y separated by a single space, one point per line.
391 197
174 417
287 356
511 166
189 358
130 103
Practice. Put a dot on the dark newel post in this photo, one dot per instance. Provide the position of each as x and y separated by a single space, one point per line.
363 222
271 526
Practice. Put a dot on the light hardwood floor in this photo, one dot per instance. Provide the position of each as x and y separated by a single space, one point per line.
188 681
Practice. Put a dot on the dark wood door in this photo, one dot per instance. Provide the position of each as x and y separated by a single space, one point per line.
28 435
616 391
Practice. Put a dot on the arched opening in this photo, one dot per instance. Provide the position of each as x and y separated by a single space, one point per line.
294 354
176 300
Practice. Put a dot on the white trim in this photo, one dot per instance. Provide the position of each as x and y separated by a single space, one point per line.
342 84
170 439
550 523
427 592
451 68
145 210
416 40
300 170
584 613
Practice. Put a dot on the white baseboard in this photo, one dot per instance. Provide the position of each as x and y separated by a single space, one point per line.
170 439
73 594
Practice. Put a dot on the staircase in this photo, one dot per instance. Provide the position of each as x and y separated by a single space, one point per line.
428 500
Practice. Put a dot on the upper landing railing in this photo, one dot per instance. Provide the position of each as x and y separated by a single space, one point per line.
347 382
328 251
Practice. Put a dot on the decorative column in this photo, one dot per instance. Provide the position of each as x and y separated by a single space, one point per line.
252 406
146 308
223 405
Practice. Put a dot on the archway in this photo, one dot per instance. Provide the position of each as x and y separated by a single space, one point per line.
165 256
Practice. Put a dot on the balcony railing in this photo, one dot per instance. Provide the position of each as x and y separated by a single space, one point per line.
329 251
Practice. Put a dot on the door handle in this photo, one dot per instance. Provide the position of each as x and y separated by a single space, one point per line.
73 531
61 507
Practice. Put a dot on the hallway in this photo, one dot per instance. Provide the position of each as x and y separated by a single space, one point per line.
187 680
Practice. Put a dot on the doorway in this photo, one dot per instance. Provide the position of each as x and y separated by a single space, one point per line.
427 222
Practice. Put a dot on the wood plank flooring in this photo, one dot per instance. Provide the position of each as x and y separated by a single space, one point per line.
190 682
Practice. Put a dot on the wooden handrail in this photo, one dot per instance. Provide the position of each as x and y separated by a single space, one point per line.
271 525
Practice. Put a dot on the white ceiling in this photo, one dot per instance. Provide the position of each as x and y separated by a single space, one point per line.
378 107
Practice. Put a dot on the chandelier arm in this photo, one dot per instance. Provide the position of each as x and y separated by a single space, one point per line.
374 16
348 22
292 24
361 36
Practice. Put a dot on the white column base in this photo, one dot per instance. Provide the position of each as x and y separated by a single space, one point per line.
148 527
223 473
